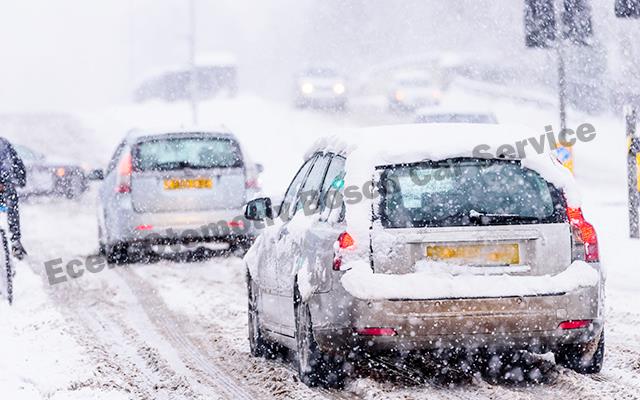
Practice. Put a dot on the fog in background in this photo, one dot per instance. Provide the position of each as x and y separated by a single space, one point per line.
71 54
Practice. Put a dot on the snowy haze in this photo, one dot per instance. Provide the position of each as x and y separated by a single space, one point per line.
74 53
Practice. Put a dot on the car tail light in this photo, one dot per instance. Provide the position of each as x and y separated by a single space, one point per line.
345 242
252 183
585 240
575 324
60 172
376 331
144 227
235 224
125 167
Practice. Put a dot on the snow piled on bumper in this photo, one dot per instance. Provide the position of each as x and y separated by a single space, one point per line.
362 283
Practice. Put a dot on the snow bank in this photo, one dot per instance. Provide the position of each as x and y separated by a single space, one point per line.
362 283
38 357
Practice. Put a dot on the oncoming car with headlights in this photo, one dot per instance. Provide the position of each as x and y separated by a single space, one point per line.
321 88
492 259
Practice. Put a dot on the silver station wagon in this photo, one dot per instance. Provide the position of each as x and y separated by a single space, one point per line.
164 189
399 240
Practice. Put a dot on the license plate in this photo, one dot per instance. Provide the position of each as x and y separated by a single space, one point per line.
477 254
200 183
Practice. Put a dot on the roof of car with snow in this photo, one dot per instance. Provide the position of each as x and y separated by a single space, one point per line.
366 148
137 133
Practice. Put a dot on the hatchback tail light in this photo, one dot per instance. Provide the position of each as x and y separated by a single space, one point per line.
584 238
125 167
345 242
252 183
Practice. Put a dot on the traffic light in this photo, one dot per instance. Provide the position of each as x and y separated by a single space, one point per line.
576 21
627 8
539 23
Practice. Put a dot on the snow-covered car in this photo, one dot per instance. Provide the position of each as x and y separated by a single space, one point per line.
388 241
320 87
412 89
174 186
48 176
431 115
215 74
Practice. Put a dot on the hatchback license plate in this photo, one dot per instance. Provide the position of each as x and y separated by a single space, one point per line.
200 183
477 254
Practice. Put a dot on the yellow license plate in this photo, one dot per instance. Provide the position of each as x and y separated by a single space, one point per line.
477 254
200 183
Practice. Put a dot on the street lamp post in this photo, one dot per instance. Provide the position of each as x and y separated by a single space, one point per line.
193 84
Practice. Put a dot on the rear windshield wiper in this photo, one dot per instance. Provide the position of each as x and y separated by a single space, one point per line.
485 218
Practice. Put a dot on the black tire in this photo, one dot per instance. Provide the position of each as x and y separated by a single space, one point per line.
315 368
258 345
577 357
6 273
118 254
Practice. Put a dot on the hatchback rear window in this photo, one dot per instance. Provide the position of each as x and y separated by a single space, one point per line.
463 192
190 152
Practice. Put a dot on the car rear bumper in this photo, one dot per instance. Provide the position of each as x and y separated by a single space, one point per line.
529 322
179 227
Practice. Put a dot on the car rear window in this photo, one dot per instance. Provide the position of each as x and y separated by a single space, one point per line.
190 152
465 192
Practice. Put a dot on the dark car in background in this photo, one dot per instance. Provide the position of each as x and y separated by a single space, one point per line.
50 177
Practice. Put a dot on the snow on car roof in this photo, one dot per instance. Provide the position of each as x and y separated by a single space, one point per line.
453 110
136 133
367 148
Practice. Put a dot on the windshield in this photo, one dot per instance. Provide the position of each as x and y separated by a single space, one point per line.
464 192
178 153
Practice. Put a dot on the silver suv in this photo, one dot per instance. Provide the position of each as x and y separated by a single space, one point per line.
486 255
163 189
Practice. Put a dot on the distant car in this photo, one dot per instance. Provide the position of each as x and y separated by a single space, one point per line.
410 90
175 187
442 252
214 74
50 177
320 88
453 115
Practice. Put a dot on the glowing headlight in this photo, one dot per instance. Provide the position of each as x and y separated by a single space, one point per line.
399 95
338 88
307 88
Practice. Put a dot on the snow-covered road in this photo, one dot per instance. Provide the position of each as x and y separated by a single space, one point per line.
178 330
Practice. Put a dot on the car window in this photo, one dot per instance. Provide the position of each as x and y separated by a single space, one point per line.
115 157
333 183
467 192
309 195
168 154
292 192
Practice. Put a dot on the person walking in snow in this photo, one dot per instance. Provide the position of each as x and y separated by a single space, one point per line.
12 175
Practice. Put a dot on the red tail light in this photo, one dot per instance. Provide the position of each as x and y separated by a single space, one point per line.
346 241
144 227
252 183
575 324
585 240
125 167
376 331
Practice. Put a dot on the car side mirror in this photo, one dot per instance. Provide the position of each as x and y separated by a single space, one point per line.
260 168
95 175
259 209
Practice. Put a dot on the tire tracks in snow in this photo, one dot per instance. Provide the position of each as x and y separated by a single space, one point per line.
172 329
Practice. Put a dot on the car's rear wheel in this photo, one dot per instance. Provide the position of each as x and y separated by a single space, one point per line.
258 345
314 366
118 254
585 358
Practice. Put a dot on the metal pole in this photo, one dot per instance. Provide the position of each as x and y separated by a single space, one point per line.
193 89
632 172
562 73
